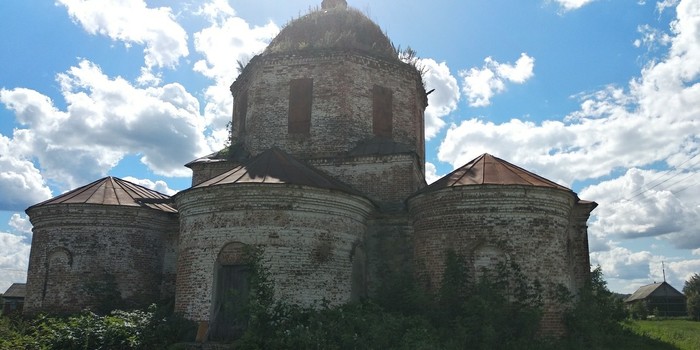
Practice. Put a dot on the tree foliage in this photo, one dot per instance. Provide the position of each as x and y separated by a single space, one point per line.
691 289
499 311
595 318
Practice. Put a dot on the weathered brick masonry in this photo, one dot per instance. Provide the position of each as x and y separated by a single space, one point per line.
307 236
76 244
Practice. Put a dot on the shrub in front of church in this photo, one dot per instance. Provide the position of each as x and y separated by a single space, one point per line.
152 328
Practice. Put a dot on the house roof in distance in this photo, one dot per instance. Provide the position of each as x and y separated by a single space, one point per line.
16 290
662 289
113 191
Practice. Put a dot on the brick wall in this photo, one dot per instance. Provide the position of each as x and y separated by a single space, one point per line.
77 243
203 171
341 111
307 236
386 179
491 223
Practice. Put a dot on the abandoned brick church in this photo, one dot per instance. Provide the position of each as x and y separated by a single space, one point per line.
325 175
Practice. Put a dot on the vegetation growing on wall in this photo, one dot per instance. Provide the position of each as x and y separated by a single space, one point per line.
499 311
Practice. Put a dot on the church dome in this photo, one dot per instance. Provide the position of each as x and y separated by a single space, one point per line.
334 26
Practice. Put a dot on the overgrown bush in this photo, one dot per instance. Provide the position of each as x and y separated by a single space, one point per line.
153 328
499 311
594 321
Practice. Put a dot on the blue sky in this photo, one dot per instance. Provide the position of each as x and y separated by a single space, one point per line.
599 95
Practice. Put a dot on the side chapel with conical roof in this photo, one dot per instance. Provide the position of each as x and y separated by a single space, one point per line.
325 176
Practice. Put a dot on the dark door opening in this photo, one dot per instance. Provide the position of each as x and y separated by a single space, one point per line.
230 315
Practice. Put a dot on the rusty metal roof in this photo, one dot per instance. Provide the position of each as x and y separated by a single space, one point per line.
113 191
233 153
489 170
275 166
16 290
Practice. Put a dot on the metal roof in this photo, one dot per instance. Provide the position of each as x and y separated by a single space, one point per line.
662 289
489 170
274 166
113 191
16 290
233 153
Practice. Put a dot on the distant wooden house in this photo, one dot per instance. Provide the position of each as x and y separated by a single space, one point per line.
659 299
13 299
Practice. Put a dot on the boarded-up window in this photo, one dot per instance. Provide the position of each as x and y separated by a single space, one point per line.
300 98
240 111
382 115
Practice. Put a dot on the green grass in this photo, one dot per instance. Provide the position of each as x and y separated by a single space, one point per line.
680 334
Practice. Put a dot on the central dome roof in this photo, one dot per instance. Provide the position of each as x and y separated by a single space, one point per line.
333 27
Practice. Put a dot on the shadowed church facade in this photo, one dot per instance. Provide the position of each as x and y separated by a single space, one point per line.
325 175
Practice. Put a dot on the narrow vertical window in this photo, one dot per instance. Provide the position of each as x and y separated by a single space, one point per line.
300 99
382 115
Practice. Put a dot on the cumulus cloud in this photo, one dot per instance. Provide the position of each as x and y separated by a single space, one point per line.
651 37
14 259
159 185
626 270
642 203
482 84
105 119
20 223
569 5
443 100
21 183
227 40
431 173
133 22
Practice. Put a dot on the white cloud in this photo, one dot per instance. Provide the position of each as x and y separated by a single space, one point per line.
443 100
431 173
662 5
696 251
652 121
228 40
681 271
133 22
642 203
620 263
106 119
21 224
569 5
159 185
626 270
21 183
651 37
482 84
14 259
